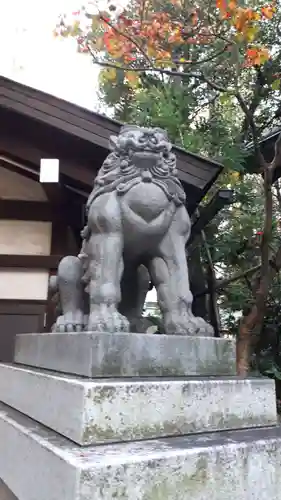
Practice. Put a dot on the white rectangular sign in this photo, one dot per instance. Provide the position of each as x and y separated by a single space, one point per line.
49 170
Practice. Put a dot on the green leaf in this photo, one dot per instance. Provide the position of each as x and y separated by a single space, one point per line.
276 84
76 30
224 98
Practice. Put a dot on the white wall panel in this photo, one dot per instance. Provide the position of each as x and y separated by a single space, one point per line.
14 186
25 237
23 284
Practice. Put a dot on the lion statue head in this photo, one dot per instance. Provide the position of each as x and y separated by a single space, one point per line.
139 154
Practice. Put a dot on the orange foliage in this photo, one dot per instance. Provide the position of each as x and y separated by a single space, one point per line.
149 37
257 56
268 11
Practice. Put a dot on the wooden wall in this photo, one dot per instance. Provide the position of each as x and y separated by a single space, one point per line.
33 237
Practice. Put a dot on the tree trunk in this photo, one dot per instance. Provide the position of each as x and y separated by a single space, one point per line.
214 314
253 321
197 282
213 310
247 340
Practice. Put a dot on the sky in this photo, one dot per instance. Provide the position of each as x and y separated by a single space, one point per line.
31 55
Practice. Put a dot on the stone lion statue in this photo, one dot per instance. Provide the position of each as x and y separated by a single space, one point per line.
136 232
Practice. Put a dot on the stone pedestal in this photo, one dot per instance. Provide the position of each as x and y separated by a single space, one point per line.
127 354
132 417
106 411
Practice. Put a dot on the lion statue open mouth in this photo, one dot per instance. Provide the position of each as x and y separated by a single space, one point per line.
137 229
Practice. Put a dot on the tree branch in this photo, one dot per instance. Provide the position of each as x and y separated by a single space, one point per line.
182 74
223 283
278 193
203 61
276 162
259 84
214 85
250 117
199 109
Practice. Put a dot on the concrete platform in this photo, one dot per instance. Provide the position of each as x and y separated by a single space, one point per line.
127 355
235 465
107 411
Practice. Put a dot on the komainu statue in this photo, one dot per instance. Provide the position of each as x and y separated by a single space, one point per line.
136 232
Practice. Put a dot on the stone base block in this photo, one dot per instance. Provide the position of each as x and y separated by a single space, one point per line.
37 464
126 410
127 355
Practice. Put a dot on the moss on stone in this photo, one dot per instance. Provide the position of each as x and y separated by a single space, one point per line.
181 486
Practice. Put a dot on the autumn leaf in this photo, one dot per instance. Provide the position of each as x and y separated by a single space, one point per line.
251 33
257 56
176 37
268 11
116 53
263 56
221 5
151 52
114 47
160 33
164 55
110 74
232 5
226 8
132 77
242 19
